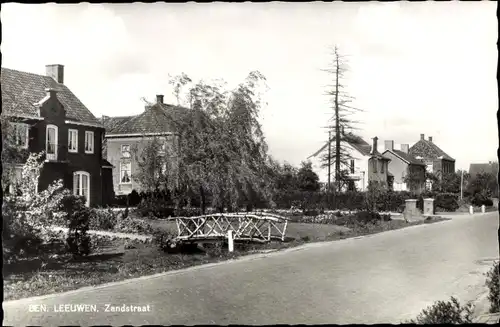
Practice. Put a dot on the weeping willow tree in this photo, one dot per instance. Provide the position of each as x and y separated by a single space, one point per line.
222 149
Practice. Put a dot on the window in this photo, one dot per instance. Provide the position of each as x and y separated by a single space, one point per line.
352 166
125 172
21 134
126 151
81 185
89 142
382 166
73 140
374 161
51 142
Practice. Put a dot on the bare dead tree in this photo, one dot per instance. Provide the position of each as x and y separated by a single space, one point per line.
341 124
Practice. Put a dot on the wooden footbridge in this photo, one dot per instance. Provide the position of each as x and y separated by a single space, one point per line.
247 226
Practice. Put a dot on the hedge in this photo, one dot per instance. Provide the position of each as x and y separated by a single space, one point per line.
386 201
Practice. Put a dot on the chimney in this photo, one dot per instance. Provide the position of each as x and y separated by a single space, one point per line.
389 145
159 99
405 148
51 92
56 72
430 138
422 136
374 146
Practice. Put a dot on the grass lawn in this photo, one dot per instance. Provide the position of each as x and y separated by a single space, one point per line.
115 260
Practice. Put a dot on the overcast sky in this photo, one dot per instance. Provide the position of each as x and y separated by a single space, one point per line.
416 68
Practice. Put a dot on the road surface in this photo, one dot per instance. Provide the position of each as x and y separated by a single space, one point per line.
383 278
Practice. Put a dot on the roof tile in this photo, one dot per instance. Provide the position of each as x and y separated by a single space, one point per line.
428 150
21 90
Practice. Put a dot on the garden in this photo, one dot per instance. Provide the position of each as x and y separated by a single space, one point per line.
39 260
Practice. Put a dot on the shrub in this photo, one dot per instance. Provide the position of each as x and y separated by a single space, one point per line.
446 202
134 198
450 312
164 241
366 217
102 219
78 215
493 284
28 214
479 199
120 201
488 202
133 226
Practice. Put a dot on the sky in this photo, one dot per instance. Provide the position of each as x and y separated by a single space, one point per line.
414 68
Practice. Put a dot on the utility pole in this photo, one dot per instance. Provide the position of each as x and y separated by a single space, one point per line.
462 186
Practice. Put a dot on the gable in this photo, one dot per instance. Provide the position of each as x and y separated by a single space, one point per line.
429 151
21 90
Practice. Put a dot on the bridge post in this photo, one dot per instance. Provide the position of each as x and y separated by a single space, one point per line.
230 243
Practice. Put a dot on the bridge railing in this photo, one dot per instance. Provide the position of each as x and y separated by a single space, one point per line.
246 226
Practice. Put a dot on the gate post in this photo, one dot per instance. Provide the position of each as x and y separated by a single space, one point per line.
230 243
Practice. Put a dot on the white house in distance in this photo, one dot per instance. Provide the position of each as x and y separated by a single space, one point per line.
359 150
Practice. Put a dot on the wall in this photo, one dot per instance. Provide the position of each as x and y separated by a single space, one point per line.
377 175
361 168
398 168
114 156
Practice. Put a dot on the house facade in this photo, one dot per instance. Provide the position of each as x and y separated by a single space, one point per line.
378 167
436 160
359 155
402 164
363 164
126 138
47 116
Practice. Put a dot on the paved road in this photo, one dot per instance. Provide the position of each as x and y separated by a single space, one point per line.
383 278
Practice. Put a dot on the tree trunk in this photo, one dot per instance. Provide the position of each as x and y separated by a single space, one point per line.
203 203
337 129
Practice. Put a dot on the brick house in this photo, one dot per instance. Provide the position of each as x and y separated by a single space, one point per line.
403 163
125 134
378 167
47 116
436 160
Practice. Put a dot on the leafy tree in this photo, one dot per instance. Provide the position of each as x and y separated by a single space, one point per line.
307 179
415 179
155 159
222 150
12 154
374 191
27 213
484 184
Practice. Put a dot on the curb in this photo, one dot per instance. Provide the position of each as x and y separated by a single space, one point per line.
248 257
